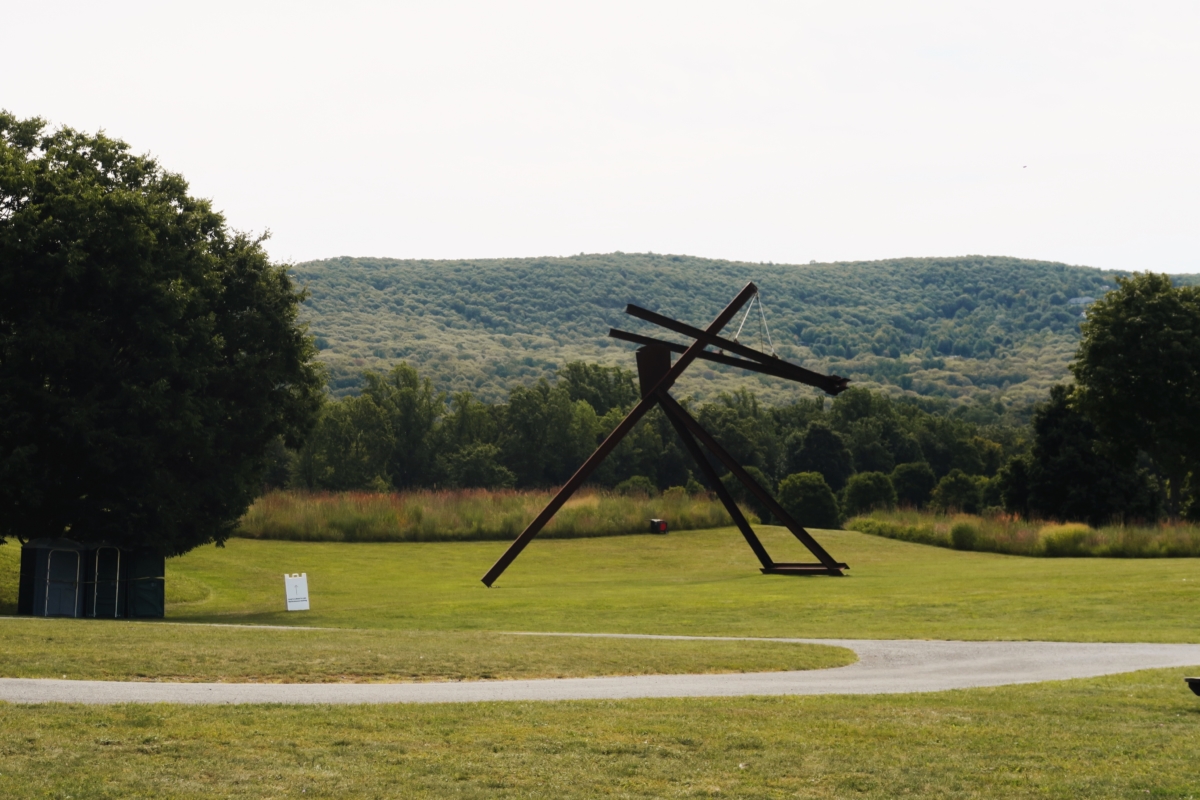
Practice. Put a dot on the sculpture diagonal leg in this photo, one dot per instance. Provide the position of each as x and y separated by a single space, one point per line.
714 482
827 565
614 438
656 375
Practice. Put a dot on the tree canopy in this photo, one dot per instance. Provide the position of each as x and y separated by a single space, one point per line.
149 357
1072 474
868 491
1138 373
809 500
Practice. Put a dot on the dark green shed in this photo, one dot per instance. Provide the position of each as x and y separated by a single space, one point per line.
63 578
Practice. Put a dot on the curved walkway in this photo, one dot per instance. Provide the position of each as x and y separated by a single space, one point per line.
884 667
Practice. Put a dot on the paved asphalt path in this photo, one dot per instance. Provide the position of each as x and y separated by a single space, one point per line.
884 667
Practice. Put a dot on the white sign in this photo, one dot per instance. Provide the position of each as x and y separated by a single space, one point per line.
296 587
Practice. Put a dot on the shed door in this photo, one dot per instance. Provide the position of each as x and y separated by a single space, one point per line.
62 583
105 592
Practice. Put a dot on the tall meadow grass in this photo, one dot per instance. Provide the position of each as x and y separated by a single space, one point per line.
467 515
1015 536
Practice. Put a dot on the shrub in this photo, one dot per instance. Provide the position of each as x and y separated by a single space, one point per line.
868 491
809 500
637 485
963 536
956 492
913 483
889 529
1072 539
1003 533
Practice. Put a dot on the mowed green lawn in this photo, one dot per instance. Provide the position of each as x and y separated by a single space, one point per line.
418 611
357 644
99 650
1120 736
696 582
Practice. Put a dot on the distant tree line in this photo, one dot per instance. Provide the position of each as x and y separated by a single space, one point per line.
1119 443
863 449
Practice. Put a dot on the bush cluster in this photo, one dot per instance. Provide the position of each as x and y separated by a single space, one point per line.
1013 535
860 452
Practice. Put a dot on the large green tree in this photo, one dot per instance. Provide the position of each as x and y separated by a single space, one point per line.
149 357
604 388
1138 373
820 449
351 448
1071 475
913 483
957 491
413 409
547 435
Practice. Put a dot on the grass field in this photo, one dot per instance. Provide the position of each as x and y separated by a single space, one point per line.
697 582
418 611
83 649
1122 736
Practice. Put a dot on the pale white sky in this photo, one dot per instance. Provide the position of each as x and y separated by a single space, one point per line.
779 132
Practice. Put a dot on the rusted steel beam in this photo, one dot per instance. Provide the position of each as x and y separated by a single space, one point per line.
799 569
671 406
652 363
774 367
830 384
714 481
614 438
722 493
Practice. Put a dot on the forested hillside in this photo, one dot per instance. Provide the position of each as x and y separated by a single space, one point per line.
947 327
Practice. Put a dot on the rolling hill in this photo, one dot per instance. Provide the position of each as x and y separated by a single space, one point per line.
971 327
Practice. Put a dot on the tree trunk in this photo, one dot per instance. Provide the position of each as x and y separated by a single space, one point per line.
1175 481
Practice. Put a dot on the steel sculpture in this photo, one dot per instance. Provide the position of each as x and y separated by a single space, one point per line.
656 375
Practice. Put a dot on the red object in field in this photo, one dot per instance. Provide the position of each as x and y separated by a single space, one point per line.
658 526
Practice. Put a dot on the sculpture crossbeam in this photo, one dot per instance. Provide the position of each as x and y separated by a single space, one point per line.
656 376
